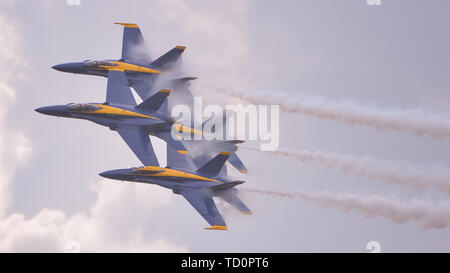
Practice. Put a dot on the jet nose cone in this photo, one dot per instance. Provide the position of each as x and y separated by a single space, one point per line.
41 110
107 174
57 110
59 67
114 174
68 67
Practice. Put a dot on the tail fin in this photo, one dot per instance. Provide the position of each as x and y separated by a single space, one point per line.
230 196
133 48
167 60
154 102
214 166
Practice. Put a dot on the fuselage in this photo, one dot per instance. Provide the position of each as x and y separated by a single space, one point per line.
174 179
101 68
110 115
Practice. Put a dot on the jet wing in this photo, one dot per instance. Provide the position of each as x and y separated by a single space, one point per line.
139 142
133 46
118 90
143 85
178 160
174 143
205 205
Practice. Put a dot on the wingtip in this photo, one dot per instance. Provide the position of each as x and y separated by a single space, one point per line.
132 25
247 212
180 47
165 91
243 171
217 228
225 153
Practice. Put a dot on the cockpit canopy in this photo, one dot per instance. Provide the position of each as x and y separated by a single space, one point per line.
83 107
142 170
95 63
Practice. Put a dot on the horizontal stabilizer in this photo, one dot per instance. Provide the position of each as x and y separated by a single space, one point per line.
231 196
237 163
204 204
167 60
182 80
226 186
234 141
154 102
214 166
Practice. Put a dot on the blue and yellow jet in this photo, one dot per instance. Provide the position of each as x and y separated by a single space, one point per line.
199 150
141 73
138 67
133 122
197 185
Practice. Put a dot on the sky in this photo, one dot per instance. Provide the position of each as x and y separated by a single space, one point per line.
393 56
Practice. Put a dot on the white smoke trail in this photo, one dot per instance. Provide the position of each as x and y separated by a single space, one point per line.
427 215
415 121
402 172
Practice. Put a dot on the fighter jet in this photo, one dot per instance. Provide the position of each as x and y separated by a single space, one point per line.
133 122
200 151
197 185
139 69
141 74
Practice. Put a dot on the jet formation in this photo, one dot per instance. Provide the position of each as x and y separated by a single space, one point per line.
198 177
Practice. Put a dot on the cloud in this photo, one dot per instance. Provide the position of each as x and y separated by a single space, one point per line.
113 223
220 33
15 148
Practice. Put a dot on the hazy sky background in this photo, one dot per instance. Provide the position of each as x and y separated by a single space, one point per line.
393 56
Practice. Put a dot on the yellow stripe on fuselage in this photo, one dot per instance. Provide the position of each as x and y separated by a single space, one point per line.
110 110
121 66
165 172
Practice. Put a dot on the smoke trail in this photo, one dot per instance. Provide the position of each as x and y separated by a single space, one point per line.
403 173
427 215
415 121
